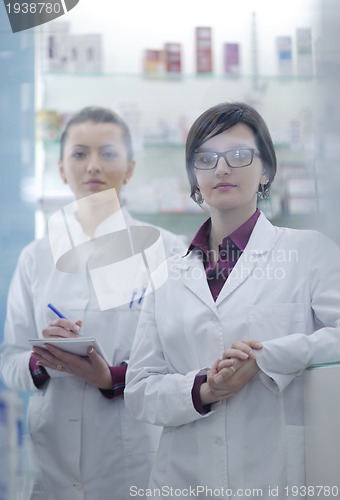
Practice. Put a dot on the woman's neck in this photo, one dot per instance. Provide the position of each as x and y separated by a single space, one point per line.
90 215
224 223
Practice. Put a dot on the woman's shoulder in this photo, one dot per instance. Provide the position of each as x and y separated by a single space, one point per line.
308 241
35 250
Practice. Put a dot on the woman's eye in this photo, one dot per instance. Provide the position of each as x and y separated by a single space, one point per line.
238 154
109 155
208 158
79 154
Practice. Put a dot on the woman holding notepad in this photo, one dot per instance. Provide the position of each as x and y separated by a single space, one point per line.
86 445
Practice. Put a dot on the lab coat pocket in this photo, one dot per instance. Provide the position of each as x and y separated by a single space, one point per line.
269 321
35 411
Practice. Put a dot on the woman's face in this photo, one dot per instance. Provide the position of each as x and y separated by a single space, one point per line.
95 159
226 188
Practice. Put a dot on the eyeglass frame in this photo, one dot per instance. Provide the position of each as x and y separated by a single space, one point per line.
223 155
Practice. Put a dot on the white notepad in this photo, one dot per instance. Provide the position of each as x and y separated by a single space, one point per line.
75 345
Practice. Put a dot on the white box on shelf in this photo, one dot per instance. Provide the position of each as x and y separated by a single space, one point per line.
284 55
91 53
54 49
304 52
74 50
85 53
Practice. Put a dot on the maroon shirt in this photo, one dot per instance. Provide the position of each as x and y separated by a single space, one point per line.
230 250
40 377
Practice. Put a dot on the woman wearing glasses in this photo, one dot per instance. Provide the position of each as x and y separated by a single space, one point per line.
260 304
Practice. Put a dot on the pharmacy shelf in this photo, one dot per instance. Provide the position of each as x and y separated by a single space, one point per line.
159 112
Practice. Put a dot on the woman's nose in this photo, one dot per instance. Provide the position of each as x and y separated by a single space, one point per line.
93 166
222 167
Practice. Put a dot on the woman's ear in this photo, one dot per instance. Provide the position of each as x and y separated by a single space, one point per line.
130 170
264 178
62 171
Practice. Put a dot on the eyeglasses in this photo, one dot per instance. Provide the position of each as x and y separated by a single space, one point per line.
235 158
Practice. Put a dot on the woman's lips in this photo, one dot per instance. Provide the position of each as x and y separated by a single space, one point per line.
224 186
94 181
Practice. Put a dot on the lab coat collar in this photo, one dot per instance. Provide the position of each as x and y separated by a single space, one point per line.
117 221
260 242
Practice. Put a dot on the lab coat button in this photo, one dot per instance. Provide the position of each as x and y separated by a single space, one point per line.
219 441
78 486
83 295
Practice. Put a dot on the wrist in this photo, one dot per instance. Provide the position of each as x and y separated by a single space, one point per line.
107 381
207 396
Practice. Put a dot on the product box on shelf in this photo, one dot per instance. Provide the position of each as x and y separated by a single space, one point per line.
48 123
54 47
231 58
204 59
153 62
91 54
284 55
85 53
304 52
172 58
63 51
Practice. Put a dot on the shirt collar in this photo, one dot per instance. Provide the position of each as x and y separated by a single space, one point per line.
239 237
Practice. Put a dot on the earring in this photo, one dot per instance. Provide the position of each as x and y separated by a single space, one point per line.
125 181
263 192
198 198
65 181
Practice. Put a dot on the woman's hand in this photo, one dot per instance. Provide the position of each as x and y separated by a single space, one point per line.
62 327
93 369
229 374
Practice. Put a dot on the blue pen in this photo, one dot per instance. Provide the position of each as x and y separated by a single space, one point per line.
58 313
132 298
142 296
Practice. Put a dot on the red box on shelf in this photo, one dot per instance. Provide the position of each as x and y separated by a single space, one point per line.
173 57
203 50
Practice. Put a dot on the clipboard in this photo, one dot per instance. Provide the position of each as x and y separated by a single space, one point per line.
74 345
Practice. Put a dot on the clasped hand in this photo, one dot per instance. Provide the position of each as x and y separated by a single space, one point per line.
93 369
231 372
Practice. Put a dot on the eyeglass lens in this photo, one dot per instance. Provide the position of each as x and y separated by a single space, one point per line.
235 158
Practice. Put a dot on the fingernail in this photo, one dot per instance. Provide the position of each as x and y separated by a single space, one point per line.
38 363
91 350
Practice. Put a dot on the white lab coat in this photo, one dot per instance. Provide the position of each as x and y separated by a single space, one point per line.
284 292
86 446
